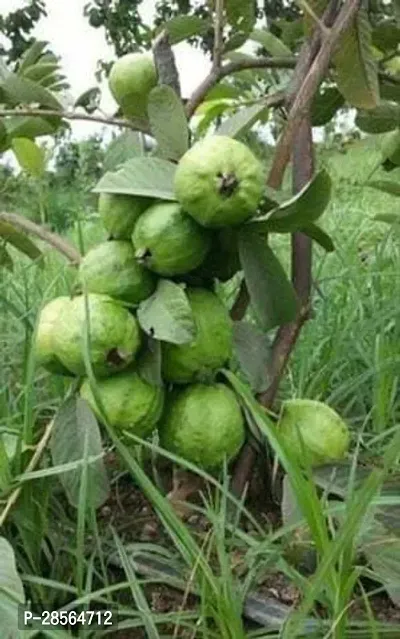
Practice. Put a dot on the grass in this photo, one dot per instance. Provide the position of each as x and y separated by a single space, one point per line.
348 356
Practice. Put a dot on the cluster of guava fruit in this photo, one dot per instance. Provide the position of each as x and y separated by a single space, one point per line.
218 186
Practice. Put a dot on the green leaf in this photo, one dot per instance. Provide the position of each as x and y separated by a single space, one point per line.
89 100
272 295
150 177
30 156
390 149
393 188
241 14
385 117
31 127
386 36
184 27
356 68
6 262
122 148
253 350
168 122
242 120
290 508
19 240
223 92
11 591
390 90
19 90
382 551
31 55
149 365
76 436
301 210
389 218
167 315
270 42
319 236
325 105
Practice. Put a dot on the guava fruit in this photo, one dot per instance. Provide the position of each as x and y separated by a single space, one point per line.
50 319
111 268
324 434
222 261
114 335
169 242
119 213
131 79
129 402
203 424
211 347
219 182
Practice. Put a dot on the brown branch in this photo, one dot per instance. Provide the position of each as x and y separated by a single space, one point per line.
215 75
218 34
61 245
134 124
164 60
308 89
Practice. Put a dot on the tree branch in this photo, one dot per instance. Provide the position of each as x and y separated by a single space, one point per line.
308 89
134 124
215 75
61 245
218 34
164 60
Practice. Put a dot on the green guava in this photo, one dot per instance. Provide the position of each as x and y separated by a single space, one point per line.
203 424
111 268
119 213
324 434
169 242
129 402
222 261
219 182
114 335
210 349
131 79
49 323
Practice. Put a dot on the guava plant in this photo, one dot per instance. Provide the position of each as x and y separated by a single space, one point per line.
145 336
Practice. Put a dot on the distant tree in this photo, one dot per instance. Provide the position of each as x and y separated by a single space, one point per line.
16 27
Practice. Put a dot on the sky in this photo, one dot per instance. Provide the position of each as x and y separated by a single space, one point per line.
81 46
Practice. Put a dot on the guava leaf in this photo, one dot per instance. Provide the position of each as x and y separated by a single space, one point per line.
242 120
31 55
270 42
301 210
382 551
325 105
356 67
149 364
147 176
386 36
30 156
389 218
168 122
167 315
122 148
253 350
76 436
31 127
390 149
89 100
271 294
184 27
318 235
390 90
393 188
19 240
290 509
385 117
241 14
5 260
11 591
20 90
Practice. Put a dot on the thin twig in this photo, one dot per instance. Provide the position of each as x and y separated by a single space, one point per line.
218 34
134 124
308 89
61 245
13 498
215 75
